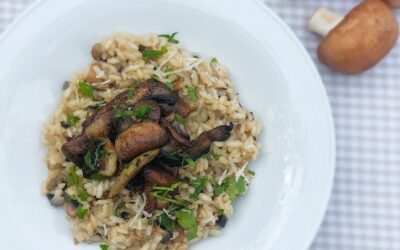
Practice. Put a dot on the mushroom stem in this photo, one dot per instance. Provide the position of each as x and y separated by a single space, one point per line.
323 21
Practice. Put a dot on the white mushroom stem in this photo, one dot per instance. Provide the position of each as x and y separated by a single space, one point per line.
323 21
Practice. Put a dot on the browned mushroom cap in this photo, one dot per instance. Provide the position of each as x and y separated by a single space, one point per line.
76 148
361 40
156 91
156 174
97 52
139 138
393 3
181 139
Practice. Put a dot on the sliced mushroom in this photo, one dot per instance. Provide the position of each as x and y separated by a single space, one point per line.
203 142
108 163
131 170
150 200
140 138
158 175
178 137
97 52
76 148
393 3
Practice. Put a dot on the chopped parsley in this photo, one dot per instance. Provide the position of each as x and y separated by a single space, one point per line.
211 156
71 120
104 247
131 91
98 177
170 38
180 119
214 60
199 185
155 77
85 89
191 91
81 212
161 193
168 71
152 54
187 220
72 178
220 212
165 222
189 161
139 112
92 157
251 172
83 196
169 85
231 187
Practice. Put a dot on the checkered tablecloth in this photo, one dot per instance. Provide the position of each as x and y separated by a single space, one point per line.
364 210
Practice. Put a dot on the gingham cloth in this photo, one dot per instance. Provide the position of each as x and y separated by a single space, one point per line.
364 210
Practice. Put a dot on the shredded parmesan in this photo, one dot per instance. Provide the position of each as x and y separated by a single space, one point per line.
141 209
222 177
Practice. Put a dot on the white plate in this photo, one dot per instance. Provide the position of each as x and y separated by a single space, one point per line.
275 78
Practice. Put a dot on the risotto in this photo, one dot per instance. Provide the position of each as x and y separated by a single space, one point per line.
148 146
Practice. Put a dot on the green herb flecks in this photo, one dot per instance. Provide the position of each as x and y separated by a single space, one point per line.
168 71
210 156
86 89
155 77
83 196
165 222
220 211
251 172
187 221
92 157
180 119
163 193
152 54
131 91
214 60
104 247
139 112
199 185
81 212
169 85
72 178
72 120
240 185
98 177
191 91
189 161
170 38
231 187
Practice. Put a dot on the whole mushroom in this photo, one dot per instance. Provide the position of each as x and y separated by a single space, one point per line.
358 41
393 3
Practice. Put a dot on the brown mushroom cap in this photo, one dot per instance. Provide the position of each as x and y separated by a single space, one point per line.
361 40
393 3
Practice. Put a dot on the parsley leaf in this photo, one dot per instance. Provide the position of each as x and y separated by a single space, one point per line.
251 172
98 177
240 185
168 71
91 157
191 91
88 160
214 60
104 247
180 119
199 185
83 196
165 222
211 156
187 220
170 38
151 54
220 211
139 112
81 212
131 91
86 89
189 161
169 85
155 77
72 178
72 120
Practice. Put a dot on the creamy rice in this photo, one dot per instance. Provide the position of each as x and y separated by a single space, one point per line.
123 67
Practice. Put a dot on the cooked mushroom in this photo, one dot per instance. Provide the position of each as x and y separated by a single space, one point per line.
131 170
154 112
178 137
97 52
393 3
203 142
158 175
150 200
357 42
99 152
140 138
156 91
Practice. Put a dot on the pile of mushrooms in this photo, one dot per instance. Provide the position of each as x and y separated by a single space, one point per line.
140 152
356 42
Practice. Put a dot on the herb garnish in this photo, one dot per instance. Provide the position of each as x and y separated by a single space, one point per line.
151 54
139 112
168 71
169 85
199 185
187 220
165 222
85 89
220 211
251 172
72 178
231 187
91 157
98 177
211 156
131 91
81 212
155 77
83 196
161 193
240 185
180 119
72 120
214 60
189 161
104 247
191 91
170 38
